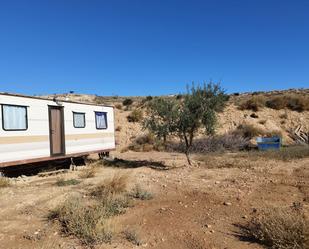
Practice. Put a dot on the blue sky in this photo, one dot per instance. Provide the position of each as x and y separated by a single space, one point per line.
152 47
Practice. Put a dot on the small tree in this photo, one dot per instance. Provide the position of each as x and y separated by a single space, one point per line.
162 113
185 117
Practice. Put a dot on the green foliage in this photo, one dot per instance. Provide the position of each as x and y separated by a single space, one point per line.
161 115
184 118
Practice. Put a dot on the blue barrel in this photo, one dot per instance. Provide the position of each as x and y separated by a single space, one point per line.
269 143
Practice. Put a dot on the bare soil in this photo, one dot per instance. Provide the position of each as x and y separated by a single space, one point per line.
193 206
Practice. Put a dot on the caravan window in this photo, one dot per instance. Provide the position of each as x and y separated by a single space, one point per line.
79 120
101 120
14 118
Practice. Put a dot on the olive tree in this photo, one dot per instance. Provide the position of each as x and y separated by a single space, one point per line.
185 117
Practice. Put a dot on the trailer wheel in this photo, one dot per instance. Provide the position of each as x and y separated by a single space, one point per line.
103 155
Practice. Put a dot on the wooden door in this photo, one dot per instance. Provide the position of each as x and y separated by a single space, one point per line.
56 131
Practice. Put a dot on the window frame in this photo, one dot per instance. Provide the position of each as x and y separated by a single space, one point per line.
96 123
26 117
84 115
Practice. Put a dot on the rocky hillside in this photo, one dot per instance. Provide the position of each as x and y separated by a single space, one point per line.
263 118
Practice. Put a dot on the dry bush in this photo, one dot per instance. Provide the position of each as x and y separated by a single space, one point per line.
298 103
248 130
285 154
118 128
255 103
219 143
62 182
127 102
294 102
118 106
115 185
251 131
88 223
135 116
279 228
277 102
132 236
146 143
4 182
88 172
139 193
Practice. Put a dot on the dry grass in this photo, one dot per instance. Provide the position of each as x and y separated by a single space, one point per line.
118 106
135 116
251 131
111 186
88 172
279 228
4 182
255 103
87 222
90 219
285 154
146 143
62 182
295 102
139 193
132 236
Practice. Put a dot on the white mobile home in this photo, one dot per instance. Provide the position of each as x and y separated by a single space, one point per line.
35 129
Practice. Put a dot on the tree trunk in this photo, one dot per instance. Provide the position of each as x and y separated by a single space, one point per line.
187 149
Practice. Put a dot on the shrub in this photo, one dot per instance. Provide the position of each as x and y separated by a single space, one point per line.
127 102
294 102
139 193
147 142
132 236
149 98
251 131
287 153
248 131
135 116
62 182
115 185
118 128
88 172
277 103
87 223
219 143
118 106
299 103
279 228
255 103
4 182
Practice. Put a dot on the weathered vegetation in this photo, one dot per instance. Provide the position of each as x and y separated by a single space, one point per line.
279 228
184 118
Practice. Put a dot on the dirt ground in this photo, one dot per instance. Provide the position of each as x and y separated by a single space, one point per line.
194 207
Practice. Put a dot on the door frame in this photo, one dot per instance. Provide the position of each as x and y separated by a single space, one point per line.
63 152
